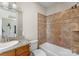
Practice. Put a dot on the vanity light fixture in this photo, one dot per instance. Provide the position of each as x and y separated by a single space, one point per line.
8 5
5 4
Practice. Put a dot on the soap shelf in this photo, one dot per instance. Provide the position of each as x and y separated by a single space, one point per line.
76 30
75 27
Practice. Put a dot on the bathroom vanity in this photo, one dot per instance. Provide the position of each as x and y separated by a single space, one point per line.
20 49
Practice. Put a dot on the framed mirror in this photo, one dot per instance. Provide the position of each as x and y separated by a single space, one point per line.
8 21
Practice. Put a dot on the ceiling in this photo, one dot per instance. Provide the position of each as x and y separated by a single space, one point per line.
53 4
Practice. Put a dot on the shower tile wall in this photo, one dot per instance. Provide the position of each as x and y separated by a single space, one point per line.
41 29
60 28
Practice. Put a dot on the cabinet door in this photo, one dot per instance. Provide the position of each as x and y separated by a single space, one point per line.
23 51
8 53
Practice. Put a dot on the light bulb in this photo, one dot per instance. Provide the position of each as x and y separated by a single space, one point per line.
14 5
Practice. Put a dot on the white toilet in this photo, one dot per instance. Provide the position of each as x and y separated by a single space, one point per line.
35 51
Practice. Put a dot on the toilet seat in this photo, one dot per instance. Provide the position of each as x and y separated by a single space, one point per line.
39 52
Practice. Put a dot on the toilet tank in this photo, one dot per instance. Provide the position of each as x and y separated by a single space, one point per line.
33 44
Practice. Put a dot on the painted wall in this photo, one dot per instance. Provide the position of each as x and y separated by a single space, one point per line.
30 17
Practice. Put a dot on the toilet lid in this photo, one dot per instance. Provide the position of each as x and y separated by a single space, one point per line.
39 52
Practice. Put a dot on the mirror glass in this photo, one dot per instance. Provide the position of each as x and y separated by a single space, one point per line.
8 20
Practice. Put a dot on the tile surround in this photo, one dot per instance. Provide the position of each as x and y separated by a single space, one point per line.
41 29
60 28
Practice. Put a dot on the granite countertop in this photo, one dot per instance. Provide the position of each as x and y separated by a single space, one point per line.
22 42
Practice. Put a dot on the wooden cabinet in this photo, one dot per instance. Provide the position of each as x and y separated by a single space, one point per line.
21 51
8 53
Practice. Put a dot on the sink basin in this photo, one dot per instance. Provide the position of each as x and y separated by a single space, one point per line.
8 44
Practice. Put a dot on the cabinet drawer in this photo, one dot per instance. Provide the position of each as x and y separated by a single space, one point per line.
8 53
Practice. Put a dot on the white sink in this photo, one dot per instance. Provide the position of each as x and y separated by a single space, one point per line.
8 44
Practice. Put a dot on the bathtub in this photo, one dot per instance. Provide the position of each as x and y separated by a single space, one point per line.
54 50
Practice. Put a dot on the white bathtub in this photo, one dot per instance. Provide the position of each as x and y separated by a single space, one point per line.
54 50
